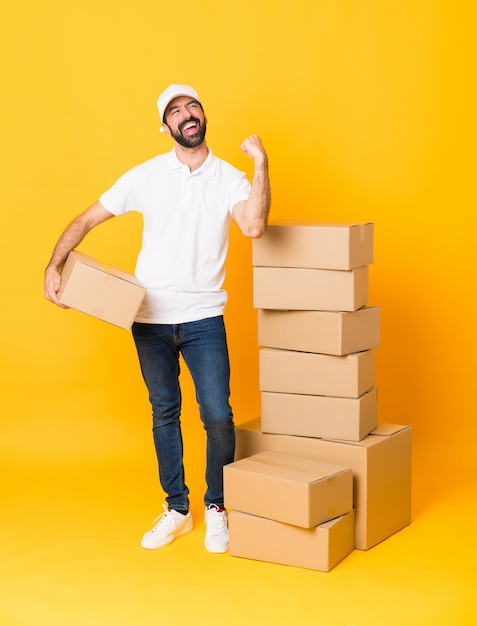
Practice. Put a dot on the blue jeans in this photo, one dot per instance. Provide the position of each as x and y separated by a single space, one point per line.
203 346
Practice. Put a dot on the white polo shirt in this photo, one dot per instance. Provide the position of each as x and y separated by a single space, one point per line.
186 231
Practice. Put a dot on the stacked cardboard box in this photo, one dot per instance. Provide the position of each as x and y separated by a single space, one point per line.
318 395
290 509
317 364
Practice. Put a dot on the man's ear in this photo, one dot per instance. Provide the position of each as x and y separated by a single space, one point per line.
165 129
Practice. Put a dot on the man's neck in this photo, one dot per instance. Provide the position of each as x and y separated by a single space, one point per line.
192 157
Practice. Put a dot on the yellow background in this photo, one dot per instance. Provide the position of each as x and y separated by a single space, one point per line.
367 109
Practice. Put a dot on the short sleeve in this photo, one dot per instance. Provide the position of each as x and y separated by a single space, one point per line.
119 198
239 191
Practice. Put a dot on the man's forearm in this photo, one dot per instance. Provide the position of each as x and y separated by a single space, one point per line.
71 237
76 232
251 215
258 203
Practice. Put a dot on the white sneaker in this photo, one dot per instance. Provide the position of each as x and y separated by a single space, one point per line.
171 524
216 531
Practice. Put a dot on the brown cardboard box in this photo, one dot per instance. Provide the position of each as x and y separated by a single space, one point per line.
326 332
287 371
319 548
295 490
381 465
319 416
309 289
100 290
319 245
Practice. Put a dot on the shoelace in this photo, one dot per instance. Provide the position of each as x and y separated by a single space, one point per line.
216 520
165 522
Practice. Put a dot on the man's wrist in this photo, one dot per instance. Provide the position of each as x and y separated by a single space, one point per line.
261 162
51 267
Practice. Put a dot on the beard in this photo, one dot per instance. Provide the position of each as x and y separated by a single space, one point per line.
191 141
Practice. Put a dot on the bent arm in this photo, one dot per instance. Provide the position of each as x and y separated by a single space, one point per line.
71 237
251 215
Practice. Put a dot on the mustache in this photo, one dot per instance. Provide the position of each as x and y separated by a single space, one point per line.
188 121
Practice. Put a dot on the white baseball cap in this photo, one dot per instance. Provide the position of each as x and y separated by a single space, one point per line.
174 91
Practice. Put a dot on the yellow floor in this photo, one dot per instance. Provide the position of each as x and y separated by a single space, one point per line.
70 554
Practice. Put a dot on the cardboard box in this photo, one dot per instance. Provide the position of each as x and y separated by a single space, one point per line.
319 245
325 332
381 465
287 371
309 289
319 548
319 416
286 488
100 290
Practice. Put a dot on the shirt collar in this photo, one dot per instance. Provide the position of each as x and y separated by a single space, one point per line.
208 167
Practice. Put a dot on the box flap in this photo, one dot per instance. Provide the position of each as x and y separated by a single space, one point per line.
104 267
374 437
386 430
332 522
290 466
318 224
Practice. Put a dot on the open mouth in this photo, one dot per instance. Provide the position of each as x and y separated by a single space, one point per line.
189 127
